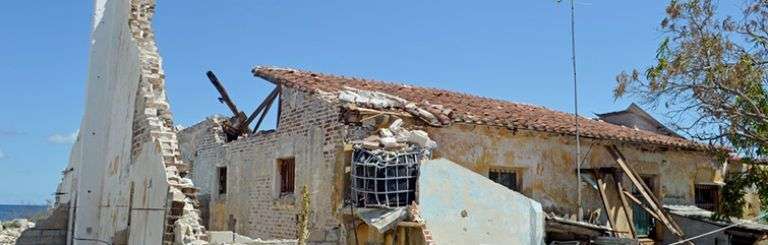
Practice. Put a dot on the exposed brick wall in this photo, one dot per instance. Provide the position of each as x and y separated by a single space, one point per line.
201 141
43 237
309 131
50 231
152 121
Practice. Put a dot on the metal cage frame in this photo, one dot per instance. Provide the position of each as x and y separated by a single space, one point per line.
385 179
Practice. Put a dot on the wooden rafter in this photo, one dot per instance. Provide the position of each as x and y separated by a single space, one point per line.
239 124
625 205
223 92
653 197
601 185
267 101
646 192
639 203
233 127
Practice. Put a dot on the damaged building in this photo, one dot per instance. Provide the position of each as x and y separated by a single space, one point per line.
356 161
631 176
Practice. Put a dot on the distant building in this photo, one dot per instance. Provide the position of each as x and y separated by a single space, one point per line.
637 118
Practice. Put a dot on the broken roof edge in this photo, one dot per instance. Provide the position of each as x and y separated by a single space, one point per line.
308 81
262 72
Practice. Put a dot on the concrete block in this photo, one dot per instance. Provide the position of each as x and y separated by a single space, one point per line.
501 216
217 237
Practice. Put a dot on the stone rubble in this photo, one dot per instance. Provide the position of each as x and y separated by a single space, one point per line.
187 229
11 230
231 238
396 138
433 114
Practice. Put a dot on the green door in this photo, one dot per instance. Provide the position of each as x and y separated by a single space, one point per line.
643 221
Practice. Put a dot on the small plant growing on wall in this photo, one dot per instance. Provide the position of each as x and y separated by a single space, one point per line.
303 221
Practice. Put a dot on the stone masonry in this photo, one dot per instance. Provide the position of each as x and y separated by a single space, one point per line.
153 120
310 131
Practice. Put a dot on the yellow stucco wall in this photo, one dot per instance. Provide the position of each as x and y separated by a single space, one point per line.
547 164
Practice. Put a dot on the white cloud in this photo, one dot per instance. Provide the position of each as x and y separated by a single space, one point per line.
2 155
63 139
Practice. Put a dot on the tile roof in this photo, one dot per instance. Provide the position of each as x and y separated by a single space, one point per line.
475 109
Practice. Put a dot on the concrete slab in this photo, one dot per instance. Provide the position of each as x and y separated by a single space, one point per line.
383 219
220 237
462 207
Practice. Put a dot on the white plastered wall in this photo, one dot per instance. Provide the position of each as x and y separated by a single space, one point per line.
106 127
102 158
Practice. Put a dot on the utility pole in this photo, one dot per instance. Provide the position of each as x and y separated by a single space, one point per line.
576 111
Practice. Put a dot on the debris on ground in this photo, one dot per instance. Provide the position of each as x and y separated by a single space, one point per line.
231 238
11 230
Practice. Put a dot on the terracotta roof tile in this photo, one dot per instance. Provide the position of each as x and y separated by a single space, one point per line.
476 109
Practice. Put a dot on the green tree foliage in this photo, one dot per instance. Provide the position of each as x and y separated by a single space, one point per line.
710 76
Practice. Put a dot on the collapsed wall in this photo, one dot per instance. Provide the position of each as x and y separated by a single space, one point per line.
125 181
252 203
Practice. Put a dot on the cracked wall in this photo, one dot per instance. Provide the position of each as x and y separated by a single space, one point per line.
548 168
122 178
310 131
545 162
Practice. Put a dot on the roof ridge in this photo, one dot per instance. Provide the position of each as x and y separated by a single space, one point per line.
404 84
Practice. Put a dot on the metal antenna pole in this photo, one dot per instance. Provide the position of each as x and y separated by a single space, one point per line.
576 111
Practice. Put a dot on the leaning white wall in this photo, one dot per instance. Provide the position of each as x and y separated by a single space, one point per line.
126 161
106 127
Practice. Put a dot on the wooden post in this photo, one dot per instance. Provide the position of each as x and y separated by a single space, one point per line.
601 188
263 104
389 238
401 235
619 191
279 108
639 203
223 92
653 197
644 191
266 109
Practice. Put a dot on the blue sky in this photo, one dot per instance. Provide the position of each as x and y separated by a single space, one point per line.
512 50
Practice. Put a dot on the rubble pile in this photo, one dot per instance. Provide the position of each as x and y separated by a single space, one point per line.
11 230
385 166
185 216
231 238
396 138
433 114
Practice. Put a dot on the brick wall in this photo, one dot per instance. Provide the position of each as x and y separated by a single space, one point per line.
202 141
50 231
310 131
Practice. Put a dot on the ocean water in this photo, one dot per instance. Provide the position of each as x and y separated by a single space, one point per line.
9 212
